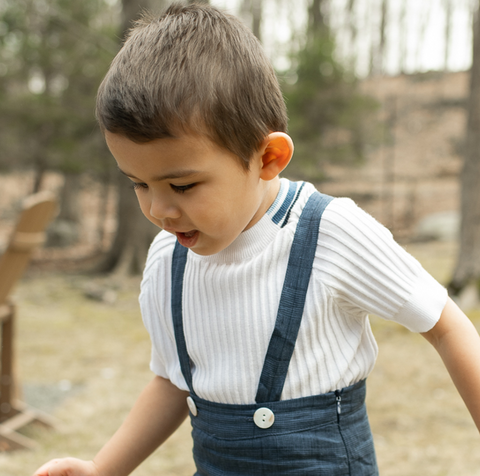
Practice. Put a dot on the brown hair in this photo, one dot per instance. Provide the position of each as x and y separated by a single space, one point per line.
194 69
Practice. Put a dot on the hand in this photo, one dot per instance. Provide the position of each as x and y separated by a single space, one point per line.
68 467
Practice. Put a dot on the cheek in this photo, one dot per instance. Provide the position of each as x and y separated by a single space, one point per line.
144 203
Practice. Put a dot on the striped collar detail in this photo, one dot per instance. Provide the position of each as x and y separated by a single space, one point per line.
287 196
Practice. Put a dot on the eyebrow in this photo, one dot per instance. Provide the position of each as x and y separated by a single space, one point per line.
170 176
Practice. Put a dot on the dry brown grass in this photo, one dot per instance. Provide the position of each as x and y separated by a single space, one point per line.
418 420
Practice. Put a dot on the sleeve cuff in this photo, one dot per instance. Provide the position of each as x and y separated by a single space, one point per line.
425 305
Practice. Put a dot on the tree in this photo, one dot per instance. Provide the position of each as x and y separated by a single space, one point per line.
467 269
448 20
251 11
51 76
134 232
327 113
48 89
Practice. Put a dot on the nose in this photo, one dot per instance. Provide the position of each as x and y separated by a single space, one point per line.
161 209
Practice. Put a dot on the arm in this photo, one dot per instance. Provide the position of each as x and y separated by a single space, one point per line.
157 413
458 343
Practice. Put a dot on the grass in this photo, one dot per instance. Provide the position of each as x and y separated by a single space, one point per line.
94 358
90 360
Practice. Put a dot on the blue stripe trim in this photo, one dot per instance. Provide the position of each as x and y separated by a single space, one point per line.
287 215
282 193
286 203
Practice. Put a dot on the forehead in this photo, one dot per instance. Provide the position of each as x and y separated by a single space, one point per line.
171 156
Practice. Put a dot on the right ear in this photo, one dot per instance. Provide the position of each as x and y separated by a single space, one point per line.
277 152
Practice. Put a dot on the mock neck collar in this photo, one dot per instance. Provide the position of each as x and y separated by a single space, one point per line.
253 241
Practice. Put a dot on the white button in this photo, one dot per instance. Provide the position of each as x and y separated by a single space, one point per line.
263 418
192 406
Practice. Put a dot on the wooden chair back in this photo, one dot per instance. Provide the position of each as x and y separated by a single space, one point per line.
29 234
37 212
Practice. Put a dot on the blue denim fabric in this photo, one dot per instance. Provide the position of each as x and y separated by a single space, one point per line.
308 436
319 435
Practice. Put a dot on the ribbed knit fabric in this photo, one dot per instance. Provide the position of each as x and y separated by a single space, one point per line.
231 301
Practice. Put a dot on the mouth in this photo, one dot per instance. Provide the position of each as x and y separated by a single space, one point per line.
188 238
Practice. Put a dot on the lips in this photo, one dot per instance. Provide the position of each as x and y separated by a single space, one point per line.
188 238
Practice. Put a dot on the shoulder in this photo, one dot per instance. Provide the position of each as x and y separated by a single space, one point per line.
349 236
344 217
363 266
341 216
159 255
155 284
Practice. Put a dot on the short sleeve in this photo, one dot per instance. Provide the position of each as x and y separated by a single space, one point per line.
367 271
149 310
155 307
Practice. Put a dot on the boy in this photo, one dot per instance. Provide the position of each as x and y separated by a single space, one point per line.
256 293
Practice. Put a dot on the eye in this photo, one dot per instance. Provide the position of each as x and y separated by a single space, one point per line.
182 188
139 185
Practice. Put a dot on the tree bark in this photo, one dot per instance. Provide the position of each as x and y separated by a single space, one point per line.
352 28
383 37
468 263
448 21
251 11
403 27
316 19
69 210
134 232
133 237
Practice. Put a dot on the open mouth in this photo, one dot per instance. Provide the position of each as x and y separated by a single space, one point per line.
187 239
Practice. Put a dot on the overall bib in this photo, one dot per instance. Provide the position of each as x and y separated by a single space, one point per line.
323 435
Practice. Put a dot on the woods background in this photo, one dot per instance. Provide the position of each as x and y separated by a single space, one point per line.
384 105
328 54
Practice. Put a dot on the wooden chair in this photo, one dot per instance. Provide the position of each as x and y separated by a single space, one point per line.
29 234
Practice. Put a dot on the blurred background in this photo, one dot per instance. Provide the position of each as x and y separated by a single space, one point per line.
384 105
379 93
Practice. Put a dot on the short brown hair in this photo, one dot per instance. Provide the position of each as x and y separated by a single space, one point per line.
193 69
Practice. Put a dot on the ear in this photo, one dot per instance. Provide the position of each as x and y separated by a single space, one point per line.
277 150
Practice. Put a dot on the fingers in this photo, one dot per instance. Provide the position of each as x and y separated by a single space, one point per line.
65 467
44 470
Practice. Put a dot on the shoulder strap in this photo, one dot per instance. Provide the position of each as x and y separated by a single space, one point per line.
292 300
179 261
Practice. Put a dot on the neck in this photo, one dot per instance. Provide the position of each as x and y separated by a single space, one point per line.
268 196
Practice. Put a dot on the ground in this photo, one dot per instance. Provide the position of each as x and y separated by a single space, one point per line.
85 361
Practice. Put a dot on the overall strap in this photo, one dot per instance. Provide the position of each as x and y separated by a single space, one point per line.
179 261
292 300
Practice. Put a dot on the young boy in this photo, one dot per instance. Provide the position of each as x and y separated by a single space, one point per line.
256 293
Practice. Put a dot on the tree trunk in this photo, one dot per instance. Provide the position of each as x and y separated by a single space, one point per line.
403 27
134 232
425 19
133 237
69 210
352 28
468 263
251 11
377 51
316 18
257 10
448 20
383 36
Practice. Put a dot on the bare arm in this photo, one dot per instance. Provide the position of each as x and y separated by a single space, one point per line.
458 343
157 413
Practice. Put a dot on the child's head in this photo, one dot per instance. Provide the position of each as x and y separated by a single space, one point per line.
193 70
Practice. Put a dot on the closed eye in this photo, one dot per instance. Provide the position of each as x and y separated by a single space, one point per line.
139 185
182 188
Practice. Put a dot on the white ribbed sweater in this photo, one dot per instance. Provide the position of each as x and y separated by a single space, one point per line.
231 300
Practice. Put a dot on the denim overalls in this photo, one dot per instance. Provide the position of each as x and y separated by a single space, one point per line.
323 435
